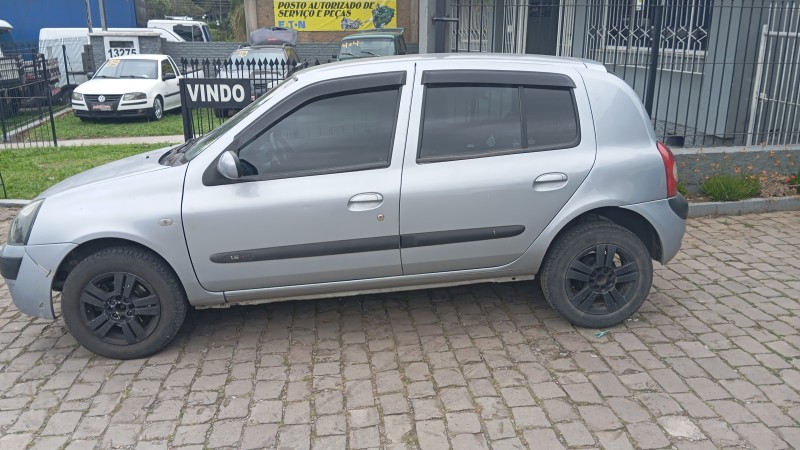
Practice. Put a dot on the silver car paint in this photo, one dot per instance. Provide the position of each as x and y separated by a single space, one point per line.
445 196
95 205
628 172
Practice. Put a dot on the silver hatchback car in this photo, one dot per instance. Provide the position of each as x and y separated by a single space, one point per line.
374 175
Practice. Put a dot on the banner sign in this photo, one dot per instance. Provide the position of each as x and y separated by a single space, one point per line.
215 92
304 15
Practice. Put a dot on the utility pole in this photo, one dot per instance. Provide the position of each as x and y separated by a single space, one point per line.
89 16
102 4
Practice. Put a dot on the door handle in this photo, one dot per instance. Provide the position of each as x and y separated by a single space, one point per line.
365 201
551 178
370 197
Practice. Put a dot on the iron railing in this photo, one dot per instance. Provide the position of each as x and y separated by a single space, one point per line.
712 72
26 101
263 75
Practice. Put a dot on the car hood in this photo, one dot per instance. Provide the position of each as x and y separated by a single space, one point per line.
132 165
113 86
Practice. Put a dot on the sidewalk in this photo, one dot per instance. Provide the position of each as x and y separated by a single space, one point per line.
176 139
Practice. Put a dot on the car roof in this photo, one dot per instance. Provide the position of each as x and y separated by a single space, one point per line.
142 56
377 33
482 60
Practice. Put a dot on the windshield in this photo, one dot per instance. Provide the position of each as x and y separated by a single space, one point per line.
256 55
207 139
360 48
129 68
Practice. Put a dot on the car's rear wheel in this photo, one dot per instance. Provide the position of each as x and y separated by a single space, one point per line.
597 274
157 111
123 303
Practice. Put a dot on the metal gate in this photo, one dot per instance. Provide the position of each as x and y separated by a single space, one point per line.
26 102
775 105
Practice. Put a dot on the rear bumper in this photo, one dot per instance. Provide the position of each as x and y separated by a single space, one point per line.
668 217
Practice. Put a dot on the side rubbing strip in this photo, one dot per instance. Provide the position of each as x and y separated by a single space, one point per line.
456 236
309 250
476 76
368 244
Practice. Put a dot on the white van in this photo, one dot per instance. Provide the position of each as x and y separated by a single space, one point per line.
189 30
51 41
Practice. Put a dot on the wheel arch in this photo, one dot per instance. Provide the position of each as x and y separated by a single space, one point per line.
85 249
630 220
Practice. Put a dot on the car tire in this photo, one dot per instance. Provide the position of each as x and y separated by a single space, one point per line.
157 111
123 303
592 292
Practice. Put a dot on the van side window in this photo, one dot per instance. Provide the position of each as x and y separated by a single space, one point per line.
462 121
339 133
472 120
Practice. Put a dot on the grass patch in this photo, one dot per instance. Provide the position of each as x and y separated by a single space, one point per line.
29 171
730 188
70 127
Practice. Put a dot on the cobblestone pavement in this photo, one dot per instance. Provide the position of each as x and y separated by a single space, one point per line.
710 361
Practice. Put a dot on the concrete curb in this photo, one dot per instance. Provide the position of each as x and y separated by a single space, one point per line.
749 206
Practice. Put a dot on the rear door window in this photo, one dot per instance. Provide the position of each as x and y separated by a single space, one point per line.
463 121
477 120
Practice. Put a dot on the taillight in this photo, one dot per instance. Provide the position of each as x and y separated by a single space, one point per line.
670 168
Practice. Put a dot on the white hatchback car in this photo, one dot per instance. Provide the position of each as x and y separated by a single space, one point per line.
129 86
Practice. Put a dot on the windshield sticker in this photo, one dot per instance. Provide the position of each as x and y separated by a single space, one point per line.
113 62
242 53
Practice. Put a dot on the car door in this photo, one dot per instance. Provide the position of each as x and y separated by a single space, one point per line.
492 159
320 197
171 88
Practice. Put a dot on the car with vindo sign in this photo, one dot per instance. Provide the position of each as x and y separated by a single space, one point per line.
129 86
367 176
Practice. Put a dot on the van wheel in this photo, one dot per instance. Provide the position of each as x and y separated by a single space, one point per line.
123 303
597 274
157 111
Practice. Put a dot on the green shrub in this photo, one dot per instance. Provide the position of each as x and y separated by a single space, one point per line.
729 188
794 181
682 189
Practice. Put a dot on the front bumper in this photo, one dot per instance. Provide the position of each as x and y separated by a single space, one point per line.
133 108
36 265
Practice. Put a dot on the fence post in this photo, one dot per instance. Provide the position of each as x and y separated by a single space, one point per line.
3 96
66 63
655 48
46 82
186 112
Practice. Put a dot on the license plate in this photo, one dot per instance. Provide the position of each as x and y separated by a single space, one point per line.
101 107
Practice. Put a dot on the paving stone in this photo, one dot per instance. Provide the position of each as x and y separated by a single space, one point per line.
397 427
542 438
647 435
529 416
431 435
680 427
295 437
575 434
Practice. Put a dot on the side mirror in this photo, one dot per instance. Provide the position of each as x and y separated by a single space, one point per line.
90 75
229 166
168 76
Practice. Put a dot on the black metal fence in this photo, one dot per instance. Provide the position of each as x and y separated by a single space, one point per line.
26 101
710 72
260 75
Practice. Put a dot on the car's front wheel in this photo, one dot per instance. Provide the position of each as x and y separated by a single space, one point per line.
597 274
157 111
123 303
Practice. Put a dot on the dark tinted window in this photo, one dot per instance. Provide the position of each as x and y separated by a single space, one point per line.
346 132
467 121
166 67
551 118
